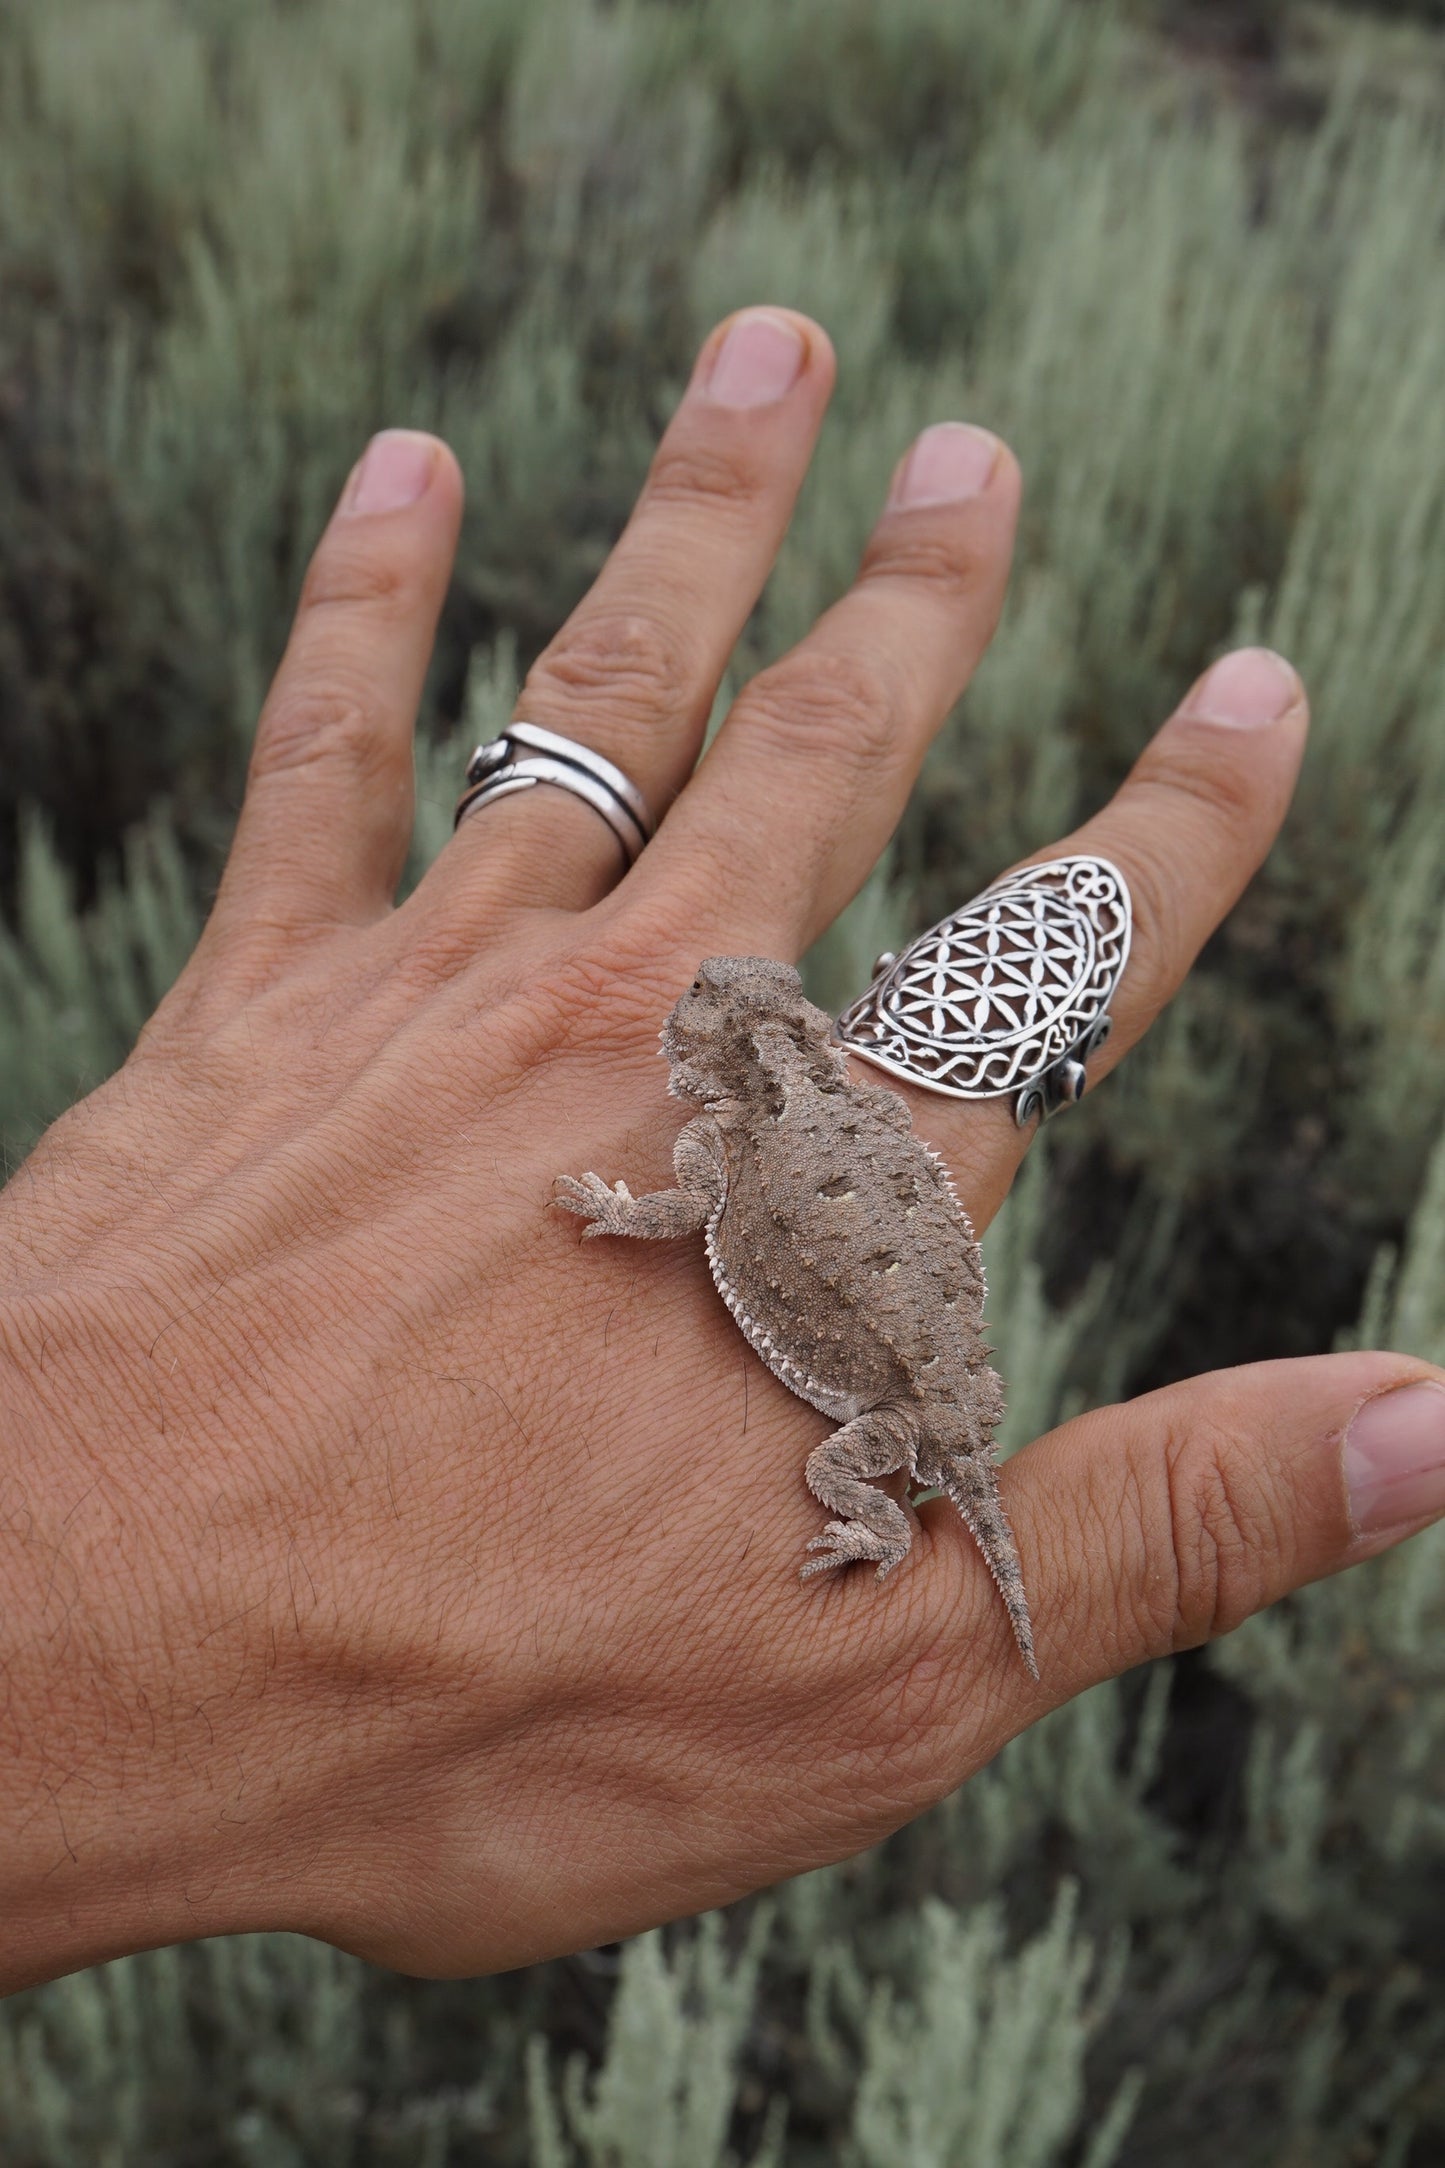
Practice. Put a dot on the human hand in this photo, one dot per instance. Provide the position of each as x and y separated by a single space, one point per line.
381 1564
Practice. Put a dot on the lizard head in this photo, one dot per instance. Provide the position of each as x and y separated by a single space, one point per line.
709 1039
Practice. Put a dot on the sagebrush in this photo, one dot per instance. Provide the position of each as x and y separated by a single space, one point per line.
1192 263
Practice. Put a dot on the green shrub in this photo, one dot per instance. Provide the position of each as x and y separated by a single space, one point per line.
1193 1915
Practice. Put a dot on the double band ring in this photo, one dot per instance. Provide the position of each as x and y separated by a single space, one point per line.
526 755
1009 994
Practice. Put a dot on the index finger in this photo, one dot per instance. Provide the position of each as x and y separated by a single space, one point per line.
1188 828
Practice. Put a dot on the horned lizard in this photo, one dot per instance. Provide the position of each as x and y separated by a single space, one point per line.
837 1242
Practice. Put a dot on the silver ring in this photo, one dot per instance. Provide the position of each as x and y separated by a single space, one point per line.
1009 994
525 755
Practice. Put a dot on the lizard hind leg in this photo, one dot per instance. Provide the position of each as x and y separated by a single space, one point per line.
871 1526
971 1481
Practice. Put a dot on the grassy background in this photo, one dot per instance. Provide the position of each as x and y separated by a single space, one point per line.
1191 261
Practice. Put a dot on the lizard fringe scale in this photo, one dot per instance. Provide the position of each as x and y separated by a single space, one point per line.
845 1258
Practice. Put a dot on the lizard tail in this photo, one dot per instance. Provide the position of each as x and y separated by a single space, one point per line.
973 1486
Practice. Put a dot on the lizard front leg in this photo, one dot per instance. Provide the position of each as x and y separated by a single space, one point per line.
838 1472
663 1214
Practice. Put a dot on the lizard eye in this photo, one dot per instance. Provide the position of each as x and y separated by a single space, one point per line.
696 987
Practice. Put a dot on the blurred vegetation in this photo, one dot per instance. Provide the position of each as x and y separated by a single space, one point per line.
1190 259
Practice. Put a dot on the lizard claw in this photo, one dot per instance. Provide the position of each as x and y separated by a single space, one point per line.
848 1543
591 1199
583 1193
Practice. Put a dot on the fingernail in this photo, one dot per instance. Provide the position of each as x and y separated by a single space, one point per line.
1395 1458
394 471
1247 689
761 358
949 462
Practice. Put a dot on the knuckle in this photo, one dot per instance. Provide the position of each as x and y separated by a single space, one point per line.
1186 769
185 1016
729 858
306 725
625 664
439 947
1180 828
845 706
1205 1528
942 557
610 994
378 581
1160 951
689 471
1186 815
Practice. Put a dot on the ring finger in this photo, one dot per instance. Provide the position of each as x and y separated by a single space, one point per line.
634 671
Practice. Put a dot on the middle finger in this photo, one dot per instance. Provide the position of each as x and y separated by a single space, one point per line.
810 772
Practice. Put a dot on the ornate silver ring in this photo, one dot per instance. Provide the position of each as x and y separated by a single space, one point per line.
1010 994
526 755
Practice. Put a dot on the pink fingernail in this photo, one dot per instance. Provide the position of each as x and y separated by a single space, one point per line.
761 358
948 463
1395 1459
1247 689
394 471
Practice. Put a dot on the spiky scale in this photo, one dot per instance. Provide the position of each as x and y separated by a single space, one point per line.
839 1245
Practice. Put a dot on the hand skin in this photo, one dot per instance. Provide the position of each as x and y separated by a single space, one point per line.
379 1563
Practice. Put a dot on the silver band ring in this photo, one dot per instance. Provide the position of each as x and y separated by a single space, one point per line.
1009 994
525 755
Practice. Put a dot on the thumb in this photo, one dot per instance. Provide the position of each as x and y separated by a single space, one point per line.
1154 1526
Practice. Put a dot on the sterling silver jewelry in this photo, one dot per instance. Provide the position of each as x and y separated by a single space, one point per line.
525 755
1010 994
